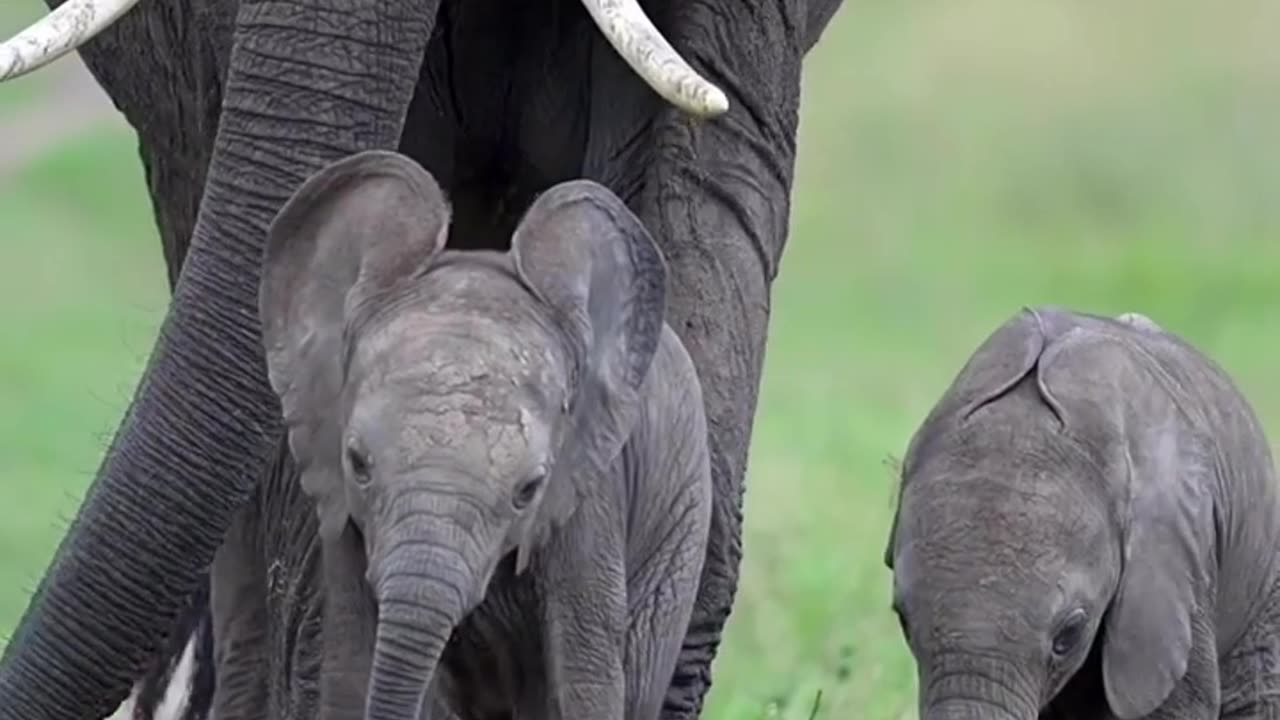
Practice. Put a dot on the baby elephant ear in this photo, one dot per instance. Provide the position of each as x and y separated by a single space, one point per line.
1149 635
354 228
1163 467
582 252
1005 358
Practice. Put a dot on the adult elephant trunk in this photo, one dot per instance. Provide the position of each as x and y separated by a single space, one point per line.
424 589
309 82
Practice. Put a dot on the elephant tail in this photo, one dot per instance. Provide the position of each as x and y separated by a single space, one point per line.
179 681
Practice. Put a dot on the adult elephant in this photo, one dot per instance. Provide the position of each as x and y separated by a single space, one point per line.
236 103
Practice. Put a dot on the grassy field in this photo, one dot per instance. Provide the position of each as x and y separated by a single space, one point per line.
958 161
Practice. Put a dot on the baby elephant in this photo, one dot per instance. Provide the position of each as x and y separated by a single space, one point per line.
507 451
1088 528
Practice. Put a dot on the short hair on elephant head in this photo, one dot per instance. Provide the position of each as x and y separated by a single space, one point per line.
445 402
1056 505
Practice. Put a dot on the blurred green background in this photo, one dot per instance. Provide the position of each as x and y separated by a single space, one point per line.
957 161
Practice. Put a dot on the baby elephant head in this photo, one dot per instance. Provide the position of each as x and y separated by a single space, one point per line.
449 409
1054 527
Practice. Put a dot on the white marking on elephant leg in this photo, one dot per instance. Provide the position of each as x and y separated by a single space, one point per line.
176 696
1138 320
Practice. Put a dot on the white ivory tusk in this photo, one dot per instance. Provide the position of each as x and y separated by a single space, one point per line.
633 35
58 33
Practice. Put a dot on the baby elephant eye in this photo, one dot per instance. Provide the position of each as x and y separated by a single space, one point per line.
528 490
1070 633
358 460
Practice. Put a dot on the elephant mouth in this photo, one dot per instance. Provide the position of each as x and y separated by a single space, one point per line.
623 23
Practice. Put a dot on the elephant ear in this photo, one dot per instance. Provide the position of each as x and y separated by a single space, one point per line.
1163 464
1004 359
589 259
351 231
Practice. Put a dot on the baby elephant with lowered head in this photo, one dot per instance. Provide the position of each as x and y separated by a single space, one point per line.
1087 528
507 451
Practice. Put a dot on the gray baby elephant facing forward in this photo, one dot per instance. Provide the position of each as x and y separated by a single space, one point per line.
1088 528
507 450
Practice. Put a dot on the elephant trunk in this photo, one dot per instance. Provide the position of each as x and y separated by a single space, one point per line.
970 709
424 589
978 688
200 428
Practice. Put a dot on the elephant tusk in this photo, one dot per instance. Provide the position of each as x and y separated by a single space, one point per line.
58 33
633 35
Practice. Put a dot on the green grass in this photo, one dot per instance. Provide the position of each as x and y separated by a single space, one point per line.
81 293
958 161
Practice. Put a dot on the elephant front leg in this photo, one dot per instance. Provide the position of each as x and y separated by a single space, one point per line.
717 199
350 624
584 587
660 603
238 607
1250 673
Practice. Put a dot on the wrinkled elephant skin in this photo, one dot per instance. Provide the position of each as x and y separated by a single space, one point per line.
236 103
506 451
1088 526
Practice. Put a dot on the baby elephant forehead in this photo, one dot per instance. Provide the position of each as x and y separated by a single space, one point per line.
456 348
496 429
466 386
503 440
441 354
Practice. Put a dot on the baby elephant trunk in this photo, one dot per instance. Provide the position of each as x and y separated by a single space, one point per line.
970 710
424 588
977 688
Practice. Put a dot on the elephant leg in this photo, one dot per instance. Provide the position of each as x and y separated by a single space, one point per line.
585 618
309 81
717 200
240 622
165 675
350 624
1250 673
660 599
